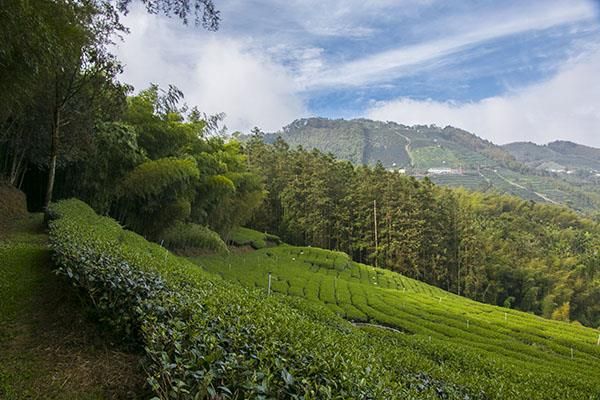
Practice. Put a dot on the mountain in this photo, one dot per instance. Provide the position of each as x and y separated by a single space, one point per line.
560 172
560 156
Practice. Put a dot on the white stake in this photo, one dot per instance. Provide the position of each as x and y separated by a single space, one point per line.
467 324
505 316
571 353
166 251
598 344
269 289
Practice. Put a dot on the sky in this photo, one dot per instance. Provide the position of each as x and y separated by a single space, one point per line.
506 70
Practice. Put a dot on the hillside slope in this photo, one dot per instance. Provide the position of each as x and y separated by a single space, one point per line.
417 314
204 337
565 156
454 157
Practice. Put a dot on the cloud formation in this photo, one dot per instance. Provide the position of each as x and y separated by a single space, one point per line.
272 62
565 107
390 64
217 74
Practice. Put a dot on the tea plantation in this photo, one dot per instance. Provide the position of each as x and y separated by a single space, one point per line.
523 345
205 337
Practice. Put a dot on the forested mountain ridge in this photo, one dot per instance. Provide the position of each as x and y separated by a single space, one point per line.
455 157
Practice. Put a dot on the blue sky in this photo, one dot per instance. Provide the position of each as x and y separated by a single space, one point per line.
505 70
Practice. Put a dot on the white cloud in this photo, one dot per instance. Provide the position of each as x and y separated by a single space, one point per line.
394 63
216 73
565 107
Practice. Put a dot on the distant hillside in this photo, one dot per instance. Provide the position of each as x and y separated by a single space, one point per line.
557 156
560 172
418 147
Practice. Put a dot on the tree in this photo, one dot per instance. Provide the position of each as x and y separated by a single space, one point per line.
157 194
203 11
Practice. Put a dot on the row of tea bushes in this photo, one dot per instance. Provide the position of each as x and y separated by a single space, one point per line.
206 338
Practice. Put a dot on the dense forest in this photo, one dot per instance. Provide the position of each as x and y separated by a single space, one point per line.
490 247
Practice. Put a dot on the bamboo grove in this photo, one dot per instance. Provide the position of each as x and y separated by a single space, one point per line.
493 248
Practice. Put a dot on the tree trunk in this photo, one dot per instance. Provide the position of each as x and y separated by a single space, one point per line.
53 158
17 168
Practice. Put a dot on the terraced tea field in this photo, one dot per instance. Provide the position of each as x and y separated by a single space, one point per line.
361 293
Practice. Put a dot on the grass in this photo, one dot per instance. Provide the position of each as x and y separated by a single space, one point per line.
526 344
49 347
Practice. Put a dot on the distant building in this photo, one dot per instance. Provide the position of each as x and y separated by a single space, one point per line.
440 171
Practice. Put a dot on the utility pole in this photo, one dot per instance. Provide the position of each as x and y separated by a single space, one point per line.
375 222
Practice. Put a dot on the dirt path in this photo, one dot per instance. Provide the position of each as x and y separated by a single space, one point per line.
540 195
407 148
49 346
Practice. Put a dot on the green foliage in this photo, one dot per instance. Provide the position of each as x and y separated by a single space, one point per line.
192 238
249 237
204 337
160 123
157 194
226 191
483 335
114 153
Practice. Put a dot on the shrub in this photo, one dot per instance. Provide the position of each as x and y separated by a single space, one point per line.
191 238
12 202
250 237
157 194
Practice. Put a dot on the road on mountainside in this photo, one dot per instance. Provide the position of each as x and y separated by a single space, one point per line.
540 195
407 148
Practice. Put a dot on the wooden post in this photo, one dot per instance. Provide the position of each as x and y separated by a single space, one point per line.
166 251
375 223
269 288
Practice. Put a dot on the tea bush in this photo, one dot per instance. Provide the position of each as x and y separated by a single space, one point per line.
255 239
192 238
206 338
